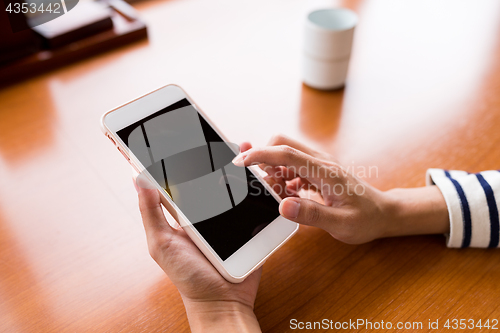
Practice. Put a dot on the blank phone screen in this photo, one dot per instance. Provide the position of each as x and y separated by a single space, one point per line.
226 204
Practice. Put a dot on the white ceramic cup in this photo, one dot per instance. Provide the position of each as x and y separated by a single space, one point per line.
327 47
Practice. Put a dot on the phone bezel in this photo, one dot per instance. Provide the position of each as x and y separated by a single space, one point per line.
252 254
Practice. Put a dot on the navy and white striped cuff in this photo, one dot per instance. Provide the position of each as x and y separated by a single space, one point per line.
473 202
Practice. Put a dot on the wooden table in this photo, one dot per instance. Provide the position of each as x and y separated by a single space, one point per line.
423 91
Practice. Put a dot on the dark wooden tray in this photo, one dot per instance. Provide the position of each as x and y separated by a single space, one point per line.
127 28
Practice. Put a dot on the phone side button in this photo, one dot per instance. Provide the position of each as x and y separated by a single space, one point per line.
109 137
123 153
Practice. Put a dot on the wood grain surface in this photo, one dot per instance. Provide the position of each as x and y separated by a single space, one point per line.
423 91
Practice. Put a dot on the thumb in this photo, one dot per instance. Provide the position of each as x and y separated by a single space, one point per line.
158 230
305 211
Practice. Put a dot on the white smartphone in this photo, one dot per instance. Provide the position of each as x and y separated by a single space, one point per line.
229 212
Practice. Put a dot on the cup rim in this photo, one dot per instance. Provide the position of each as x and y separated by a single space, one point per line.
352 16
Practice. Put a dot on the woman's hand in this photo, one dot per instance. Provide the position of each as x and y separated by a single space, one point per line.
212 303
351 210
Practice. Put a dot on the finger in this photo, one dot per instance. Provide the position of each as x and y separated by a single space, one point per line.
158 231
279 172
274 184
245 146
300 163
283 140
308 212
141 181
270 181
298 184
290 192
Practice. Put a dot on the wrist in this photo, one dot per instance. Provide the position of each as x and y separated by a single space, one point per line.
416 211
220 316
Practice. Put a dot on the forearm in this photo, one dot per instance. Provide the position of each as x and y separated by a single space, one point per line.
221 317
416 211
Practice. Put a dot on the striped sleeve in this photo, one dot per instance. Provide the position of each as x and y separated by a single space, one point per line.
473 200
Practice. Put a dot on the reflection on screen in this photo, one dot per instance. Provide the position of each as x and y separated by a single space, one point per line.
191 162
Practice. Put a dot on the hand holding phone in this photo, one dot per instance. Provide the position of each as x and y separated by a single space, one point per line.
229 212
204 291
